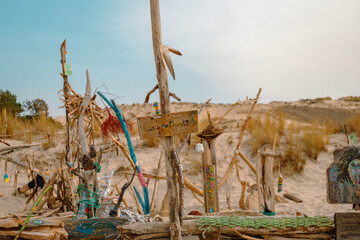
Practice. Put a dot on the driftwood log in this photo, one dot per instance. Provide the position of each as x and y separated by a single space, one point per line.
189 227
292 197
18 147
36 229
247 161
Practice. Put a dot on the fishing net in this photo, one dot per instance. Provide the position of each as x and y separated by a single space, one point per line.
205 223
112 126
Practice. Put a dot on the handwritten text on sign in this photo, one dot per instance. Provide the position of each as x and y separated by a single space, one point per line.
347 225
168 124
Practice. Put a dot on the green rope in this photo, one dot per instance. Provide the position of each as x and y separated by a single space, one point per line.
98 168
206 223
353 137
32 210
91 201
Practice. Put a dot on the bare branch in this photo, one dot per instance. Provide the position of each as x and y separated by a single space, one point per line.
147 98
174 96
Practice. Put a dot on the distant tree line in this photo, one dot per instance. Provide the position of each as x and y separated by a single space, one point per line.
34 107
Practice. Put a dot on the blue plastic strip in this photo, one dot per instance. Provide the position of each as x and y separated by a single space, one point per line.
112 104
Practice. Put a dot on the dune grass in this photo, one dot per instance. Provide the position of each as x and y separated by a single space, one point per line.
24 128
297 141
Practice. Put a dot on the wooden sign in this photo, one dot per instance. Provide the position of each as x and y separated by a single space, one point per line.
343 176
347 225
170 124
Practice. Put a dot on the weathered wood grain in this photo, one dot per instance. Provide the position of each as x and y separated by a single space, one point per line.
347 225
189 227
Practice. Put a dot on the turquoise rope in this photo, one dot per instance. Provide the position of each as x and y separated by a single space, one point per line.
112 104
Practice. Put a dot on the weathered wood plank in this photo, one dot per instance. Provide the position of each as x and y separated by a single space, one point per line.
29 235
8 223
169 124
189 227
33 223
347 225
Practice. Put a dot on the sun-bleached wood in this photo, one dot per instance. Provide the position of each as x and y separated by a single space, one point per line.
162 78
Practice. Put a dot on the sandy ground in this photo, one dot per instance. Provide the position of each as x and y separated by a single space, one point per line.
309 186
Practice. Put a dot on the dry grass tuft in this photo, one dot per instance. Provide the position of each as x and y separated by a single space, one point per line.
315 141
294 160
300 141
315 100
22 128
264 131
353 124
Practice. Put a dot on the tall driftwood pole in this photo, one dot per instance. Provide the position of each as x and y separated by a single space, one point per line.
66 96
162 77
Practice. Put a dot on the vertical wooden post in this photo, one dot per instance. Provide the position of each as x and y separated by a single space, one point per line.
162 78
269 194
66 96
260 182
211 197
265 181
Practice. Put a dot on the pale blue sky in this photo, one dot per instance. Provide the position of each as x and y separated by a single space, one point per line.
291 48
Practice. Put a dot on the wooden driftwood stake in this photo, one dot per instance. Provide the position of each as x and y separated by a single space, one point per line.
211 197
83 143
265 181
66 96
162 78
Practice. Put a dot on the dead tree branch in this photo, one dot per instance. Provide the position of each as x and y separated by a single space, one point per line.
147 98
174 96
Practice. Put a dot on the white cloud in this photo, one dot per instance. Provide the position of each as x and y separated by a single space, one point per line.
291 48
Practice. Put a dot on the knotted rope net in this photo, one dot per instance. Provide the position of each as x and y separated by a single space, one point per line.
206 223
